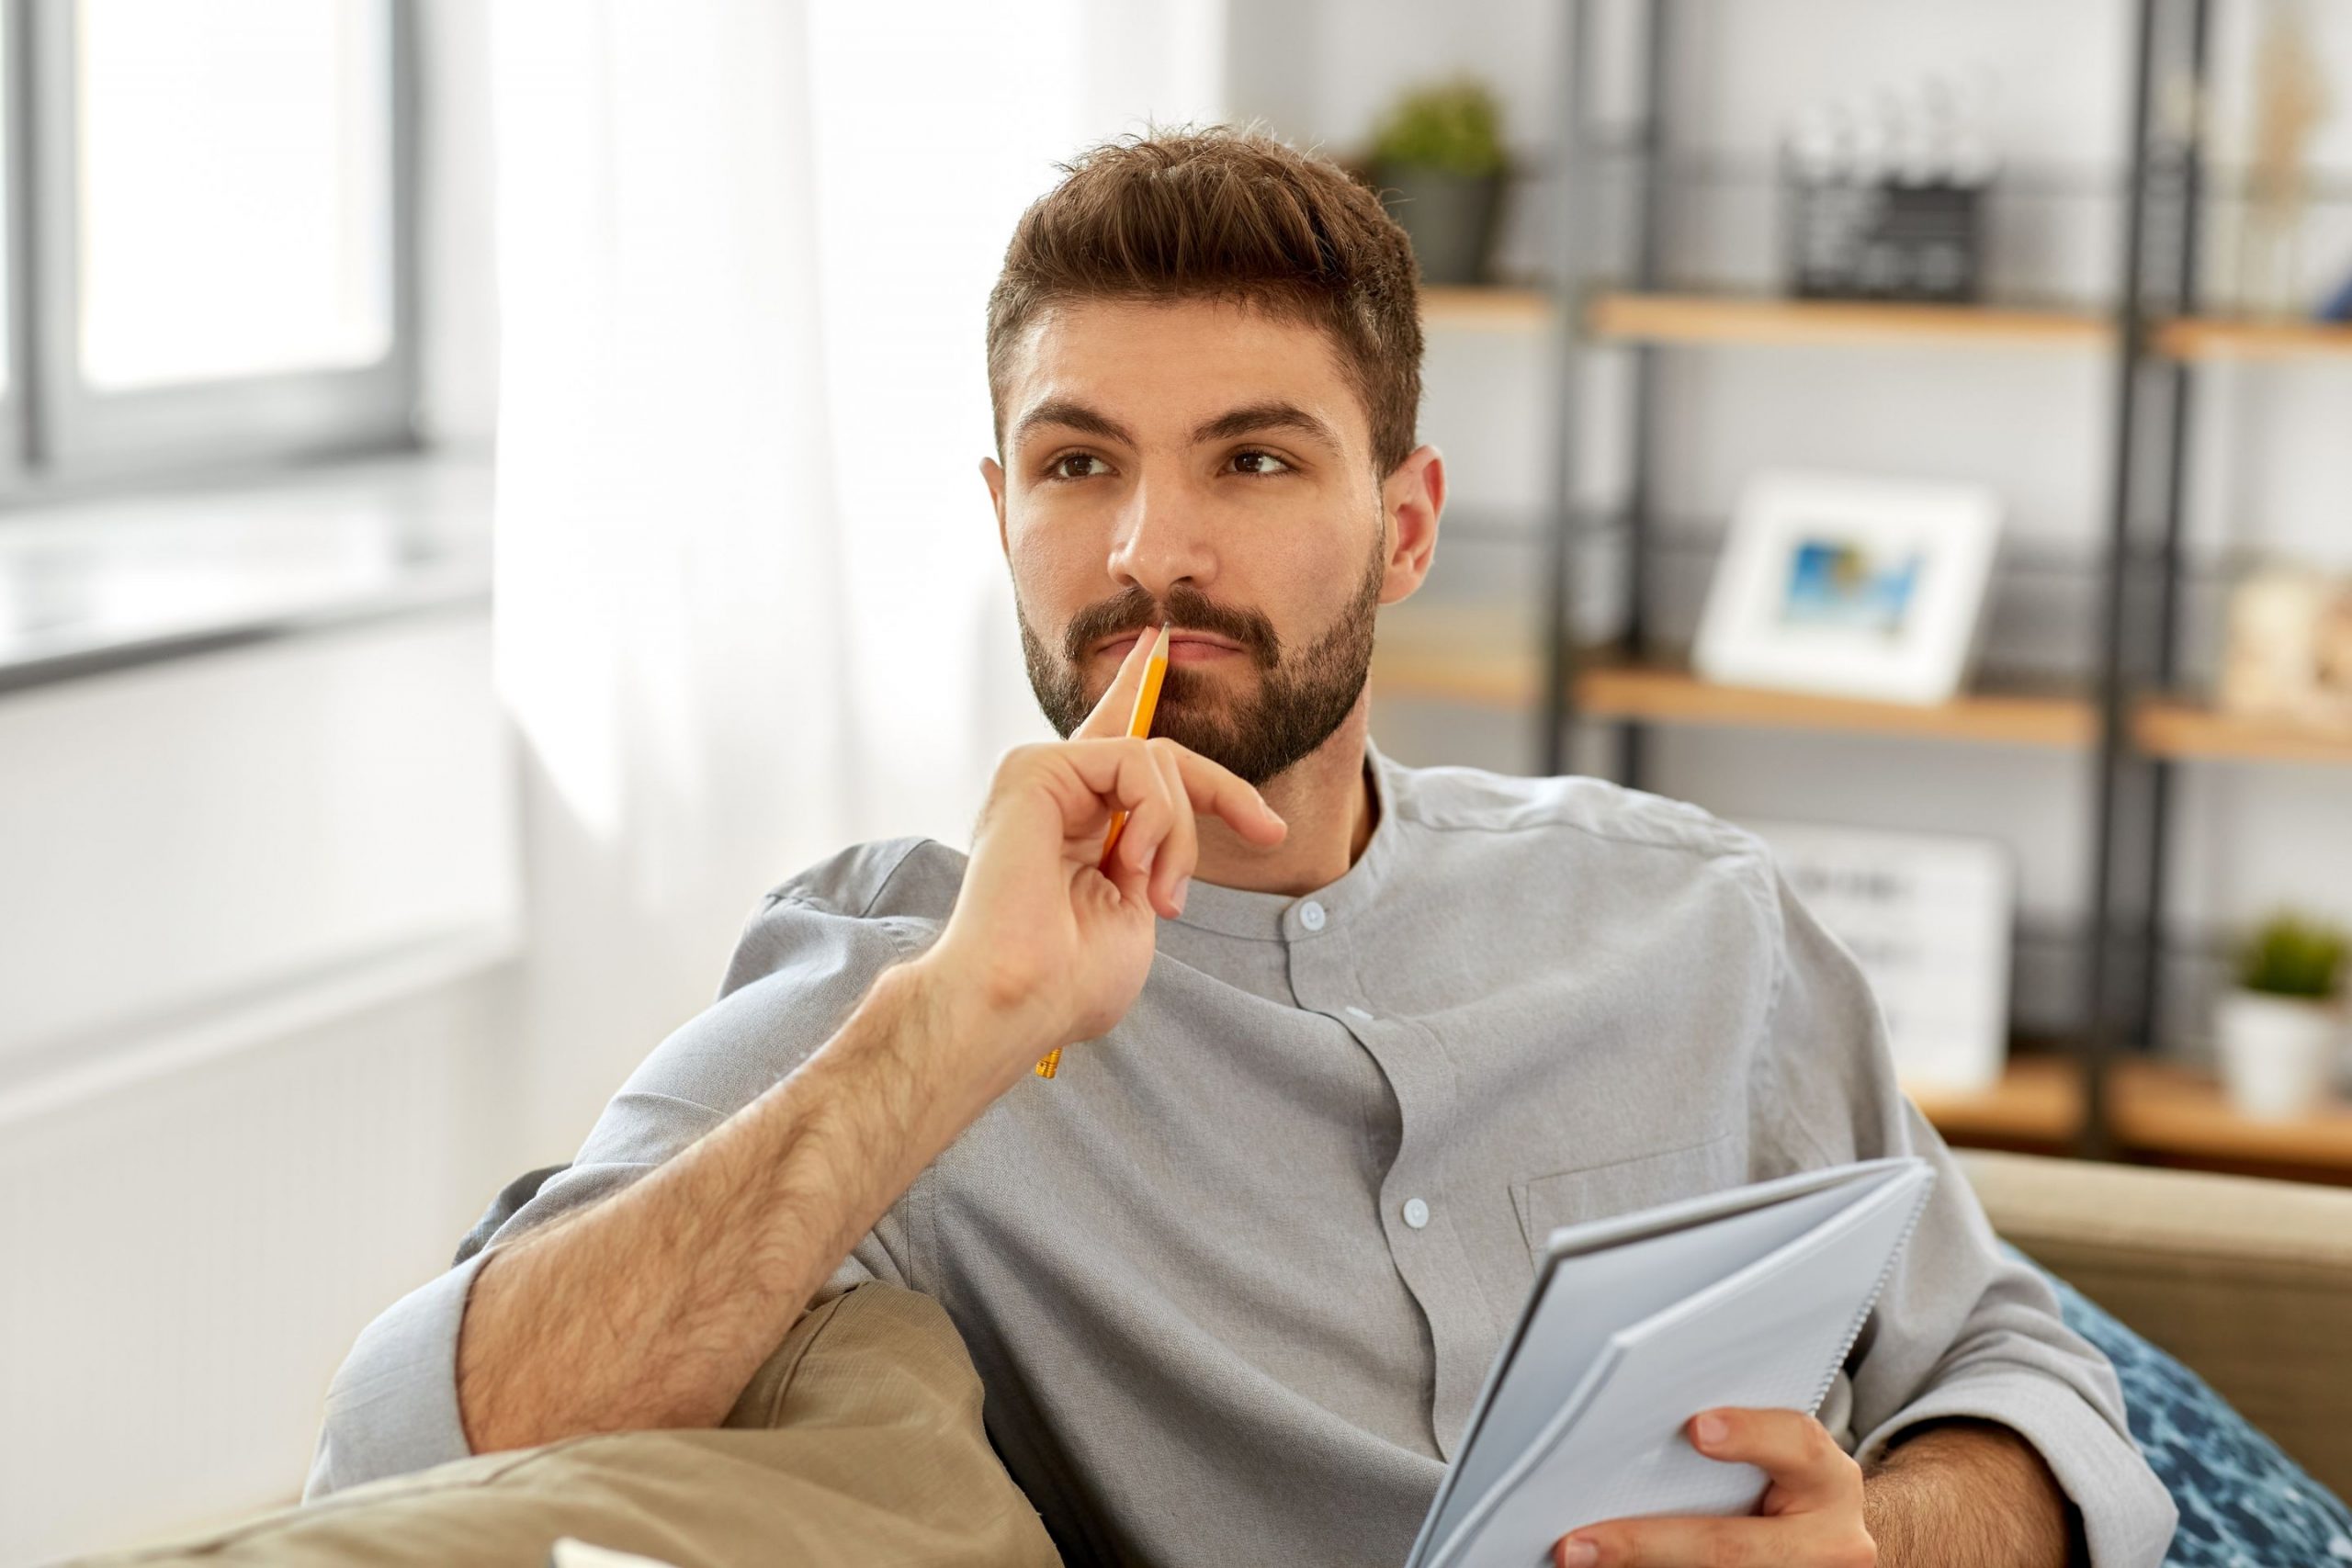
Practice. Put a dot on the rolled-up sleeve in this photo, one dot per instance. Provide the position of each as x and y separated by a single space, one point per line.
392 1408
1960 1330
800 968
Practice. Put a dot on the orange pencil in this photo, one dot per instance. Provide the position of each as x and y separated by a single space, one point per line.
1155 670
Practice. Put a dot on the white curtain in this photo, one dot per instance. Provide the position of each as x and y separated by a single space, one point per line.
750 602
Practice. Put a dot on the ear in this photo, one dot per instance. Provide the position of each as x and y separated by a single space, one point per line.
993 475
1411 499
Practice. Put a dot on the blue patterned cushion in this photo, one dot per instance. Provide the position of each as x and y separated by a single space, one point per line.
2244 1504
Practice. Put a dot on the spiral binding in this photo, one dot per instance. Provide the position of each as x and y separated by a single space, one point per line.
1894 1255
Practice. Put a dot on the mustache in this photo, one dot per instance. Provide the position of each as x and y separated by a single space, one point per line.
1186 609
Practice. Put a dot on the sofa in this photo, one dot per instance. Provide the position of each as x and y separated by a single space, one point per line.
2246 1282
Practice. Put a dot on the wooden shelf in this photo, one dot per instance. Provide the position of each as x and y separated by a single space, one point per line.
2157 1108
1484 668
1482 665
1723 318
2156 1111
1487 310
2038 1101
2215 337
1481 671
1667 695
2173 728
1767 318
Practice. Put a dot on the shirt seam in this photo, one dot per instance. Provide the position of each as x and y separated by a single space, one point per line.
1783 1107
1704 851
901 942
800 898
889 877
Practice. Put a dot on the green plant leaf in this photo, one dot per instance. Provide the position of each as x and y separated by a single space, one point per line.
2290 956
1455 127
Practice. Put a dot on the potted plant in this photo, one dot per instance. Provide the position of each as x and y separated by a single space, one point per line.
2278 1030
1437 162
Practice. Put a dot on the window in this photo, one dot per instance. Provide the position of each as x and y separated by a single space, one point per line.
212 212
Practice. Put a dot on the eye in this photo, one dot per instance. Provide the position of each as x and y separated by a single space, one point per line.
1280 466
1058 467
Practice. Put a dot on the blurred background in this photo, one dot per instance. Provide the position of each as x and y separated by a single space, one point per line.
489 487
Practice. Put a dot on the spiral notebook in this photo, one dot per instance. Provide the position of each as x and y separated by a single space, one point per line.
1636 1323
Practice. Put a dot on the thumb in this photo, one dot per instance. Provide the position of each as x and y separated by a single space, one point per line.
1117 705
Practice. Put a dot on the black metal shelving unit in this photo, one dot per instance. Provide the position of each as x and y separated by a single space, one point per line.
2138 587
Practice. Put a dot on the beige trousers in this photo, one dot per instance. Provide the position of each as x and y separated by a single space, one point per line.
857 1443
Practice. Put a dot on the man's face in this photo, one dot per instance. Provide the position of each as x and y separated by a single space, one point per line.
1206 464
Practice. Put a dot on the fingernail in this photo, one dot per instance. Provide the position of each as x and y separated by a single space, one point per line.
1183 888
1712 1428
1578 1552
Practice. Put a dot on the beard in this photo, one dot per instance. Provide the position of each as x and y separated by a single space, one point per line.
1299 700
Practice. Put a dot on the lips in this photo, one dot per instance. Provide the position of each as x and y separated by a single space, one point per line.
1181 644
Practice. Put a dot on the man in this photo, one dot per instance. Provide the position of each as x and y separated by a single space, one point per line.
1345 1039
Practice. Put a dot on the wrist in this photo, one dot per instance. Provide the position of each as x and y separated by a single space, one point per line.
945 1047
992 1004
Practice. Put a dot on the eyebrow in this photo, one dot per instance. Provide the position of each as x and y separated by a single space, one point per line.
1274 414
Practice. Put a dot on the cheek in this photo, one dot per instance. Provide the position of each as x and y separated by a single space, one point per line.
1052 577
1314 581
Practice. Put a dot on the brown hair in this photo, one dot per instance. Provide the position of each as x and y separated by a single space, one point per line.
1225 214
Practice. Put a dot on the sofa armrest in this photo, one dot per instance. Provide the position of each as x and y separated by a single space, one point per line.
2246 1280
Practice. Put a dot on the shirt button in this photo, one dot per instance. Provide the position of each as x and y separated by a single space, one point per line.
1310 915
1416 1213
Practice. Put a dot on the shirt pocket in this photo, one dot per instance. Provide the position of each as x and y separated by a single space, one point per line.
1621 1186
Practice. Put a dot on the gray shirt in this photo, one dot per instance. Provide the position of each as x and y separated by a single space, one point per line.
1232 1279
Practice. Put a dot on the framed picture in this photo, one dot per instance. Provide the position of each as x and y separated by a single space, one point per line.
1929 917
1851 587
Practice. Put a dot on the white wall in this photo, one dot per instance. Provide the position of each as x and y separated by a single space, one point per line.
457 254
259 914
219 1158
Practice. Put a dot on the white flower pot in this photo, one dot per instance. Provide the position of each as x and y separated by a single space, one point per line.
2277 1054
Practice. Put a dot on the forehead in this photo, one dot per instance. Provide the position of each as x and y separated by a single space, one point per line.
1160 367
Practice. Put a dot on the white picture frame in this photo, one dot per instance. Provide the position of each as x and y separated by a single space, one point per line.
1844 585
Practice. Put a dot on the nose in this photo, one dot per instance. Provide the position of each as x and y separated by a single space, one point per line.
1161 539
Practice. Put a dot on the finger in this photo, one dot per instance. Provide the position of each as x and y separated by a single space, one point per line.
1150 822
1179 851
1215 790
1133 788
1208 786
1117 703
1808 1469
1672 1540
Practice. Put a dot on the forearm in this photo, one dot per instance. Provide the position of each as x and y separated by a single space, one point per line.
1969 1495
653 1307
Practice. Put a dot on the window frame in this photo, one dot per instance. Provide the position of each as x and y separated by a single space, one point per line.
74 438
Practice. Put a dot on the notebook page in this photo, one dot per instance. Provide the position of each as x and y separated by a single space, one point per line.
1584 1299
1770 1336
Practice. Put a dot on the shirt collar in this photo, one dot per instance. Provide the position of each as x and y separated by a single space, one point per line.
1275 917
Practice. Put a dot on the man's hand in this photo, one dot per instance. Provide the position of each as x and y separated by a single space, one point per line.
1810 1516
1037 932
